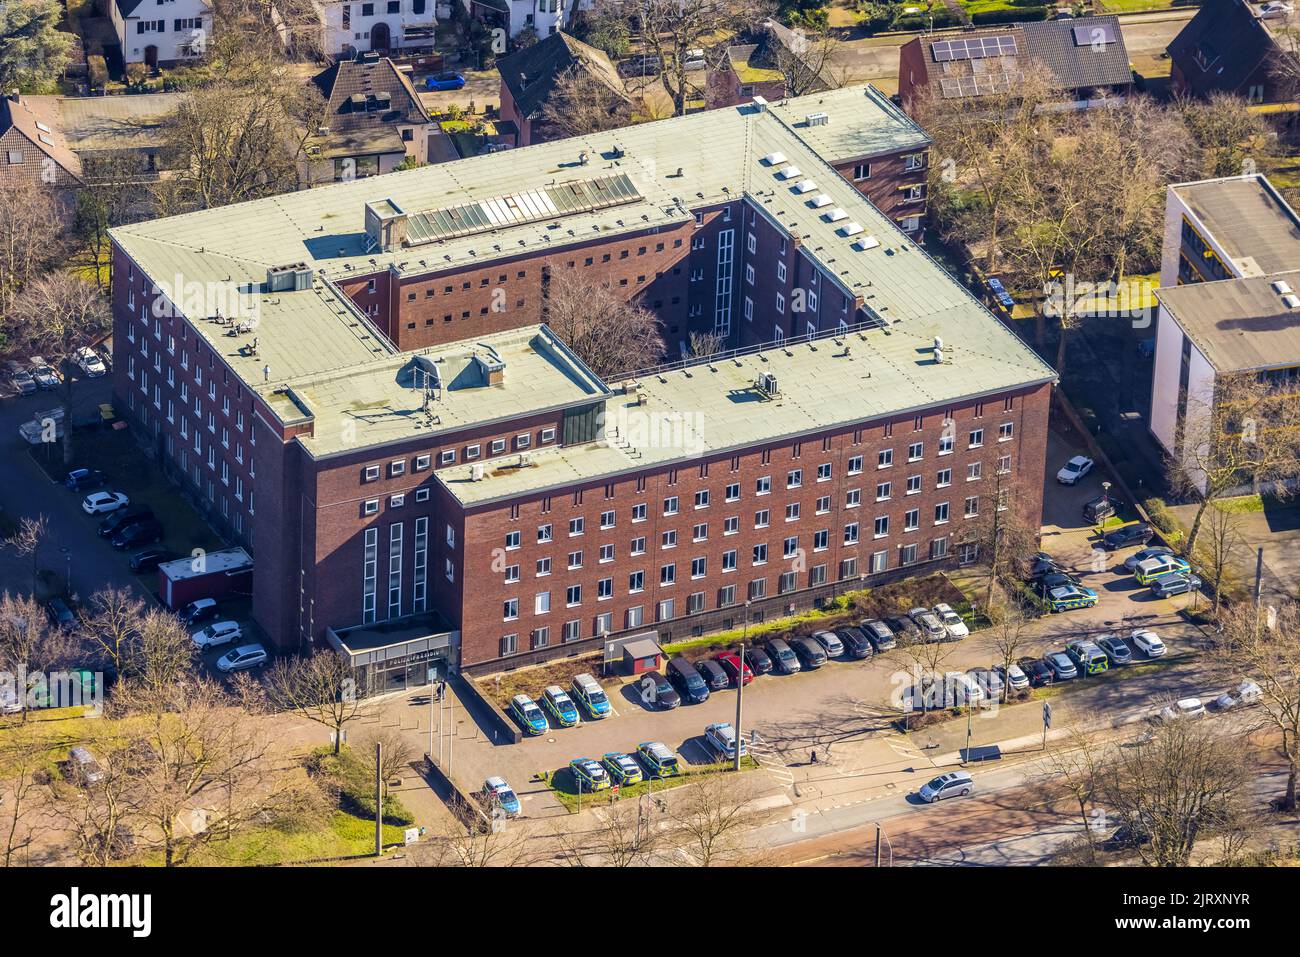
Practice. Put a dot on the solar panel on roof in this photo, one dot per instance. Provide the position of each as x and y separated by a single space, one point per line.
942 51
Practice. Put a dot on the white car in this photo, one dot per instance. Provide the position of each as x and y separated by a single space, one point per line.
1183 708
1075 469
101 503
217 633
951 621
90 363
1149 643
1274 10
245 656
1245 693
43 373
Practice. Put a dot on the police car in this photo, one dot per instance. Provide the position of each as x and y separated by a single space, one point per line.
588 691
622 768
589 775
561 706
658 759
1148 570
1067 597
502 795
527 713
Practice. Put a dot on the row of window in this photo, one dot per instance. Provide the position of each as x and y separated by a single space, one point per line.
520 443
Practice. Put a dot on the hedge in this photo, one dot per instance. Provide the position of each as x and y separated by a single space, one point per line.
1014 15
915 22
1163 519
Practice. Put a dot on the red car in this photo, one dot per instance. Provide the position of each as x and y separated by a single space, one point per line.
732 665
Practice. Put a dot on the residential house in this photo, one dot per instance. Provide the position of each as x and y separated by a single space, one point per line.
374 121
161 32
1085 56
33 148
782 63
528 77
381 26
545 17
1225 48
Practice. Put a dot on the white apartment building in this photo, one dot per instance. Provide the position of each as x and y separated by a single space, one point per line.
161 32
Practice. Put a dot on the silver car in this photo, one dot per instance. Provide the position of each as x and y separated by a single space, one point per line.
932 628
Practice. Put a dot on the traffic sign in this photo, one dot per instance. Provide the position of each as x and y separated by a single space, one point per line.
1047 714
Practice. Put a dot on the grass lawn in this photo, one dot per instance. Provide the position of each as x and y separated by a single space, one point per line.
1136 6
985 6
530 681
340 835
1241 505
565 787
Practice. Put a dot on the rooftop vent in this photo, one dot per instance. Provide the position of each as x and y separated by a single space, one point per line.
850 229
292 278
835 215
1281 287
774 159
491 365
790 172
476 472
767 384
760 104
818 119
805 186
820 200
865 243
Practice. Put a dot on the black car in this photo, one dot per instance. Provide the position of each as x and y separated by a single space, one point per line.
686 678
1100 508
80 479
138 533
783 657
1055 580
1043 564
123 517
1116 650
856 644
810 651
658 691
904 628
878 633
1139 533
57 610
1037 671
150 558
758 660
713 675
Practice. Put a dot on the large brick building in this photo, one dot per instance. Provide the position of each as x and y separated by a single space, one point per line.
356 380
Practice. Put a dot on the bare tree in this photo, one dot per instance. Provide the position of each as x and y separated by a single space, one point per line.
320 687
582 101
623 837
113 626
29 644
23 755
610 334
32 220
1001 534
809 59
56 316
1244 432
1225 132
704 345
1221 542
26 539
1009 633
98 817
708 821
1072 768
1265 647
157 666
396 754
503 845
927 658
114 191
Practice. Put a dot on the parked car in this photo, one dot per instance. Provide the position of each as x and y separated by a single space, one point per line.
758 660
833 646
150 558
658 759
1166 586
856 644
879 633
201 609
1274 10
144 532
1043 564
658 692
239 659
89 362
622 768
1068 597
20 380
1000 294
501 795
1052 580
811 653
524 710
721 737
101 503
952 784
694 60
951 621
1148 642
447 80
688 681
962 689
712 674
1183 708
43 373
928 624
1073 470
783 657
1246 693
989 681
217 633
904 628
1038 671
645 65
1062 666
1115 649
589 775
1131 563
1087 656
57 610
560 706
1138 533
1099 509
1151 569
83 768
588 691
1014 676
81 479
108 527
737 671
